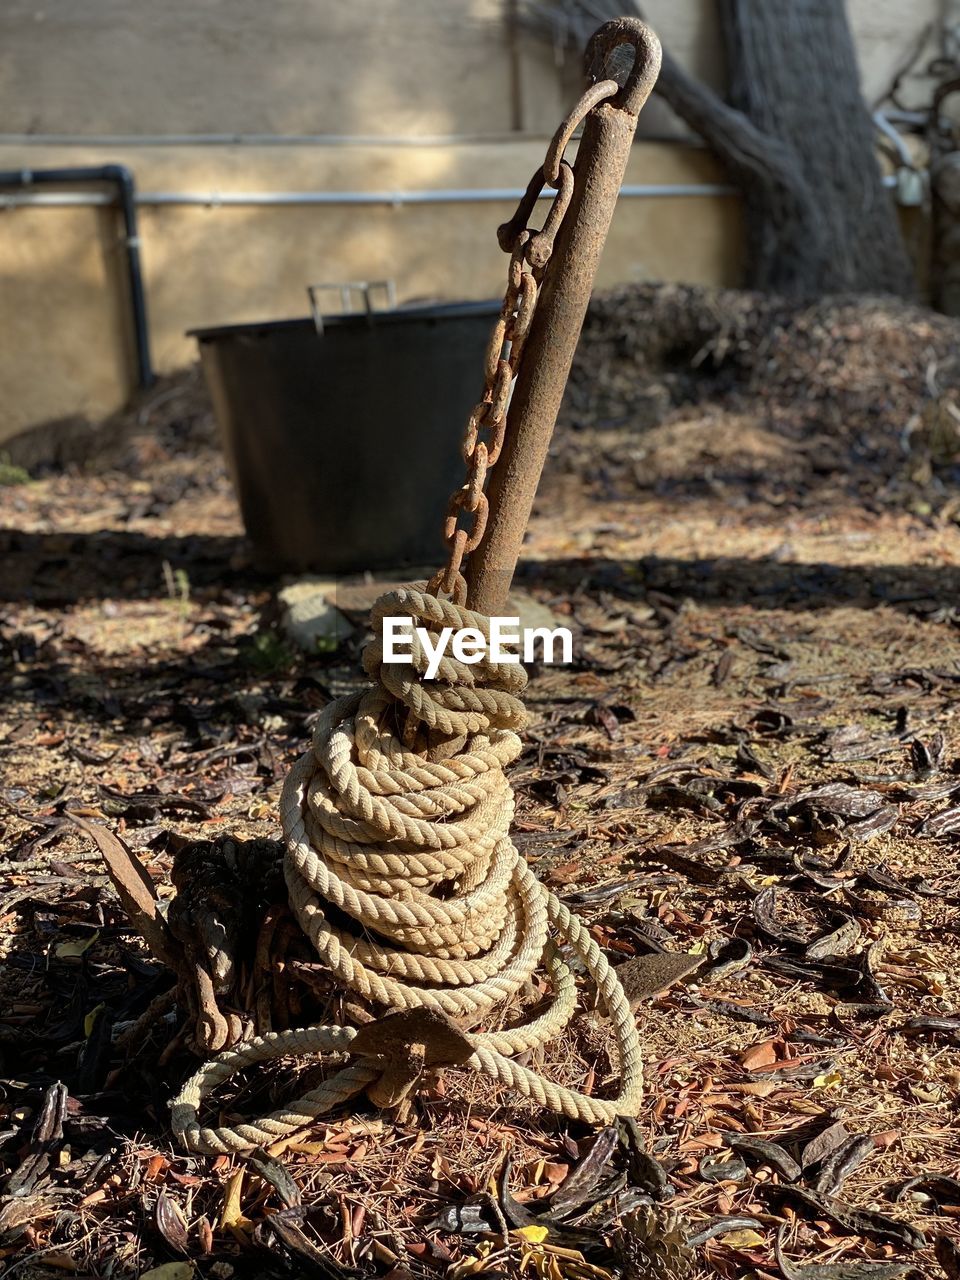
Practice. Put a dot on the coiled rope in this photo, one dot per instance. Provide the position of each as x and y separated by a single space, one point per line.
405 834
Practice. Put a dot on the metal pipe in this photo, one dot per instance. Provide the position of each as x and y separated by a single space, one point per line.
294 140
917 119
564 295
440 195
121 179
886 128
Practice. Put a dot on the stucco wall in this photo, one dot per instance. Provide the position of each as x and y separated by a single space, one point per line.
324 67
370 67
121 73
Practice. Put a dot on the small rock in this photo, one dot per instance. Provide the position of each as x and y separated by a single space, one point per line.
321 612
530 612
309 619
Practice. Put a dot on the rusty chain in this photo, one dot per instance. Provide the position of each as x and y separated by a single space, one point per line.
530 253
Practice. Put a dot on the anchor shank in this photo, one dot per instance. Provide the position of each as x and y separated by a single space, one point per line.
598 173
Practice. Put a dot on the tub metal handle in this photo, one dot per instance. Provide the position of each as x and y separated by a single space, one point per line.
345 289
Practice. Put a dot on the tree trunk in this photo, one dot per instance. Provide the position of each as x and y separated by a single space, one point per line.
787 250
792 71
796 137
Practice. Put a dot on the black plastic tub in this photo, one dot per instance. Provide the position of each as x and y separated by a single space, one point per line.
345 446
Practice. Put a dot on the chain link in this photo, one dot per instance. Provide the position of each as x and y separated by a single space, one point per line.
530 253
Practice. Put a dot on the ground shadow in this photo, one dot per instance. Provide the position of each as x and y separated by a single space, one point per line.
68 568
64 568
762 583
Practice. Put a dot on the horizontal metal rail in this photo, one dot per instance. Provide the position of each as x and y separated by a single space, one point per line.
453 195
295 140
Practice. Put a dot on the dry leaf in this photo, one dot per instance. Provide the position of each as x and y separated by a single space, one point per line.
90 1021
76 947
828 1081
764 1054
531 1235
232 1215
170 1271
746 1239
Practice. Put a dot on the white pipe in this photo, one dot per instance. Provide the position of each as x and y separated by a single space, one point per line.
292 140
917 119
262 139
465 195
54 200
244 199
889 132
453 195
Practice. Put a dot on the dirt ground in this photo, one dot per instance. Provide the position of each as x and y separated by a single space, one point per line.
751 520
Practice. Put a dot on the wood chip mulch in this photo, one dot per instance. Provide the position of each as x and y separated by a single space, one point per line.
751 521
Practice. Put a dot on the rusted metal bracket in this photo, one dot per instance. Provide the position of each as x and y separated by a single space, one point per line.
405 1042
598 173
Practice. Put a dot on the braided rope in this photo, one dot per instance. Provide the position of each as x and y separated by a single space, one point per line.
412 846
